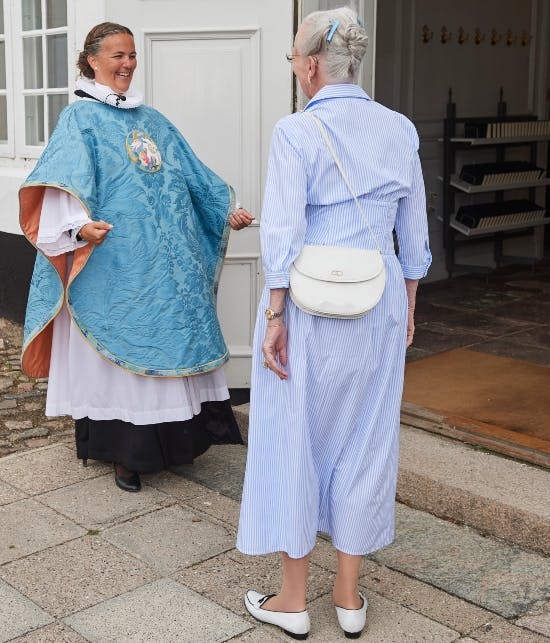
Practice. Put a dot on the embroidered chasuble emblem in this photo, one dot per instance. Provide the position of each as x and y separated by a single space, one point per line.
143 151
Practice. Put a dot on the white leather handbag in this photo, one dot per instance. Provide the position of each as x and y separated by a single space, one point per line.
335 281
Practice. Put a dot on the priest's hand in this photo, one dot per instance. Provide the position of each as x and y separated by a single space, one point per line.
240 219
95 232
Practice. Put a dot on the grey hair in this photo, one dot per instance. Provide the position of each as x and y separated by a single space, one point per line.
345 51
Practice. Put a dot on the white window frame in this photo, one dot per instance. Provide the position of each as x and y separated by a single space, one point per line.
17 145
8 148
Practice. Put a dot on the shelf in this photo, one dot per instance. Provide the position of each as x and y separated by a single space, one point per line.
500 141
478 232
468 188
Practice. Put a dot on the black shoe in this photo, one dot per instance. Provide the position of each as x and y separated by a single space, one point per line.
130 483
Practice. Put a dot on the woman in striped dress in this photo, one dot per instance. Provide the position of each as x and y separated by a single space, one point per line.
326 393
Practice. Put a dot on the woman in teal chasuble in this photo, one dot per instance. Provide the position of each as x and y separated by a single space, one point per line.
131 230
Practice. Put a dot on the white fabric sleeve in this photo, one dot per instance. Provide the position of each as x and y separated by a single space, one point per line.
61 218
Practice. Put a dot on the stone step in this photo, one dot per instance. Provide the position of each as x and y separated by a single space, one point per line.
494 494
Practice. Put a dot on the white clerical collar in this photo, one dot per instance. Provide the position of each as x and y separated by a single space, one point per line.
104 94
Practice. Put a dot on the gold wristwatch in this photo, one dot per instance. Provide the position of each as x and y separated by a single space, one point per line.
271 314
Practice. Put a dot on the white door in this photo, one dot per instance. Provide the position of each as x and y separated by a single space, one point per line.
217 70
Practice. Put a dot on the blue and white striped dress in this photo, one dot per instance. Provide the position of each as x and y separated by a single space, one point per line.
323 445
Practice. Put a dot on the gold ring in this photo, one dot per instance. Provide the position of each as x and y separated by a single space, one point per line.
266 365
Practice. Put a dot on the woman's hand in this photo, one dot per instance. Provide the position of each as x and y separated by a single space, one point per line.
274 348
95 232
240 219
410 326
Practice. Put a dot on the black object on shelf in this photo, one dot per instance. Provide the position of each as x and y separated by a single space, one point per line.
472 215
464 219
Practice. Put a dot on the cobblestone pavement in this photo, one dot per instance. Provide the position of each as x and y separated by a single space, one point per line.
23 424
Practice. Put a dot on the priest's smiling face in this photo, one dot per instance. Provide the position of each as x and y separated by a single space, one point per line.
115 63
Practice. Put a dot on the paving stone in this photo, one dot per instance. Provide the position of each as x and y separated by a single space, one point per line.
162 611
217 505
264 634
221 468
174 485
27 526
490 573
501 631
425 599
39 471
38 432
18 425
8 494
99 502
539 623
75 575
387 622
55 633
225 578
18 615
170 539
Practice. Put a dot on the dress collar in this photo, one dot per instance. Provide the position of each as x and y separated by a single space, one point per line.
104 94
341 90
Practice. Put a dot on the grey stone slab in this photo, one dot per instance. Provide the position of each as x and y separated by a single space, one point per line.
162 611
261 635
55 633
528 310
537 623
18 615
464 484
46 469
465 321
27 526
217 505
434 339
170 539
75 575
387 622
9 494
99 502
420 597
225 579
490 573
221 468
501 631
174 485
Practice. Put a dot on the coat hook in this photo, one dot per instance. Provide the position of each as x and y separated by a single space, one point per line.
427 34
510 38
446 35
478 36
495 37
462 36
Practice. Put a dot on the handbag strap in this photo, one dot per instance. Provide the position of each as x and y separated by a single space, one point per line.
344 176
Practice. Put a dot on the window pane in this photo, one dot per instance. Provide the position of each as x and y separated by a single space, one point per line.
32 62
32 14
56 13
34 120
3 120
56 102
57 60
2 65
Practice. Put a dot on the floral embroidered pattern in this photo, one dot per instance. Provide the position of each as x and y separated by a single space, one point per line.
143 151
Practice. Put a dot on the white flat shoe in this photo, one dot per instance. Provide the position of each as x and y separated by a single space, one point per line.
353 621
295 624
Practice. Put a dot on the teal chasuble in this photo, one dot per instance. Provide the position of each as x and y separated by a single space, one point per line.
145 299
